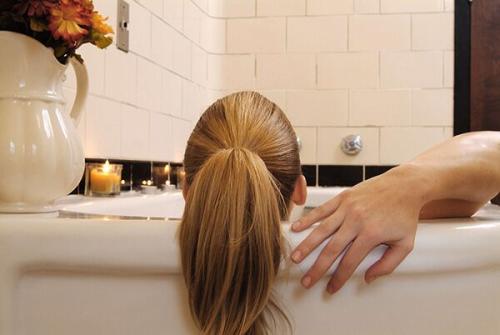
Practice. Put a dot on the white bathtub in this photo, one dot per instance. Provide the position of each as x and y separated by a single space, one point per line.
110 276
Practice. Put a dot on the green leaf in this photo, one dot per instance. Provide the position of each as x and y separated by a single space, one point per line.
60 51
38 25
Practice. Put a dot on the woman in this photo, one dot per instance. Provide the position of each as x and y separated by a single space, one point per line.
453 179
242 177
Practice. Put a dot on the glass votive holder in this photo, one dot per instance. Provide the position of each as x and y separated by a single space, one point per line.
181 178
103 179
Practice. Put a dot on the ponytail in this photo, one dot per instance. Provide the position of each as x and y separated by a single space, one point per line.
231 245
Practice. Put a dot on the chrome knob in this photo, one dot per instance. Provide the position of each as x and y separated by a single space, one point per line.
299 143
351 145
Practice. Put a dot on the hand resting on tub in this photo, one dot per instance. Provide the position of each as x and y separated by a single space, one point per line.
452 179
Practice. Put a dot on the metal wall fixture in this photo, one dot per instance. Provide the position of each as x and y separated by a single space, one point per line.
299 143
352 145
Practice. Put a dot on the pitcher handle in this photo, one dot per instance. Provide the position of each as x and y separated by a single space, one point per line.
82 89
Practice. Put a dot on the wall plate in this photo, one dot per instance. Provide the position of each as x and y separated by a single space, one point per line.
122 22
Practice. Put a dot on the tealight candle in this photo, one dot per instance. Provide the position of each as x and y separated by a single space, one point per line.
104 179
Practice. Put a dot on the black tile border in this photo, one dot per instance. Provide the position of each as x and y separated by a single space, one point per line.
375 170
340 175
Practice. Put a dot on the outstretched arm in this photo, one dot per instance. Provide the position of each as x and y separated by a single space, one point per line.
454 178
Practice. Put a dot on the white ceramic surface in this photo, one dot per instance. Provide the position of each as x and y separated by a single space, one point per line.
79 277
41 155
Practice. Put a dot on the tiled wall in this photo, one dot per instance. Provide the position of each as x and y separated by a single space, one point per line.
142 104
379 68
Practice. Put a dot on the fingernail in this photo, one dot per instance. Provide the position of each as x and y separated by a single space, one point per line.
370 279
331 289
306 281
296 256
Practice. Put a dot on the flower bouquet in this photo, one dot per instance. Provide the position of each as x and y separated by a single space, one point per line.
63 25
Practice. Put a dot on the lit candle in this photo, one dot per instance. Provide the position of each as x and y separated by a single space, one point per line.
104 181
167 172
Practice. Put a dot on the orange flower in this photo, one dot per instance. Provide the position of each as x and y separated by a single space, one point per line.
99 24
70 19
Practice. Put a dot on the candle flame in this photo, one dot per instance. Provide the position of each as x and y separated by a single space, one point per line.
106 167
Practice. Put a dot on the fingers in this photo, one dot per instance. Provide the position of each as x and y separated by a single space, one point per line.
317 236
329 254
392 257
349 263
317 214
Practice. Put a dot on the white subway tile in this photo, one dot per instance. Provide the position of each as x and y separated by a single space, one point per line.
199 65
213 35
379 108
449 5
411 69
163 44
140 30
231 71
103 130
171 94
107 8
286 71
312 108
449 68
432 107
121 75
432 31
366 6
329 7
149 85
281 7
330 138
155 6
191 101
307 137
400 144
181 60
411 6
256 35
181 132
203 4
173 13
192 21
448 132
278 97
379 32
231 8
348 70
315 34
161 141
135 133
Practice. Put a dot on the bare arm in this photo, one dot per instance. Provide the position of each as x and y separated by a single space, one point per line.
454 178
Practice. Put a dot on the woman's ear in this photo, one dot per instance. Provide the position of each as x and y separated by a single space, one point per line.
299 194
185 191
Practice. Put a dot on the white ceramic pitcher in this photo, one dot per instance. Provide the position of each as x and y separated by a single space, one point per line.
41 154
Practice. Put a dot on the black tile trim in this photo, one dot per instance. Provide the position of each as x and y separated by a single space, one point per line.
375 170
340 175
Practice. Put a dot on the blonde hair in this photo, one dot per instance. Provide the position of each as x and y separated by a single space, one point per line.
242 163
